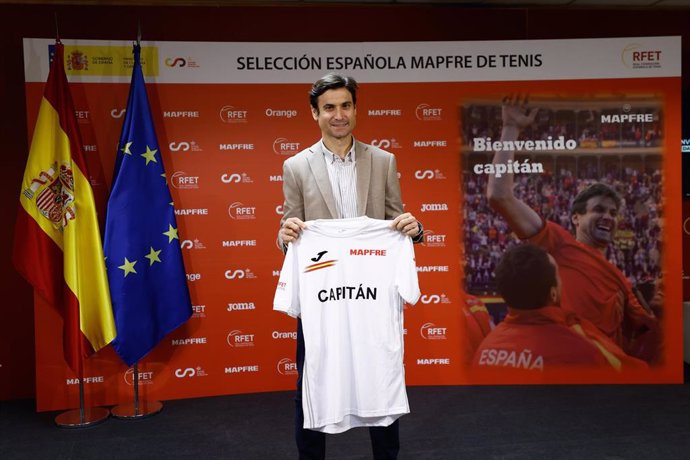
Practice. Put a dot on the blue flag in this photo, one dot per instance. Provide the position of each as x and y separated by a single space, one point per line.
147 278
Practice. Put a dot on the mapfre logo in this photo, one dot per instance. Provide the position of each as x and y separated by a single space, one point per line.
385 144
430 331
433 361
425 112
239 274
189 372
184 146
636 56
145 378
432 268
286 366
238 339
239 211
282 146
192 244
384 112
433 299
427 174
433 239
236 178
181 181
89 380
231 114
181 62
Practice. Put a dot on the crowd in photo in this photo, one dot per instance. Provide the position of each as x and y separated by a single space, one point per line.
637 246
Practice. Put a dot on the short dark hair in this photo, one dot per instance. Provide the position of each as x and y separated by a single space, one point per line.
599 189
525 276
332 81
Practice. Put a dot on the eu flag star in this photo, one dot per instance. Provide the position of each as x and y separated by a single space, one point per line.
125 149
128 267
171 234
150 155
153 256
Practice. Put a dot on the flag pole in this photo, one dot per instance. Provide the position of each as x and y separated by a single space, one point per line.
136 409
82 417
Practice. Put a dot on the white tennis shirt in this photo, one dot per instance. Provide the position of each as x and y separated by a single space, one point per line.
347 279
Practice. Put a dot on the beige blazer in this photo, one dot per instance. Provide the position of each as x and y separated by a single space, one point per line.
308 193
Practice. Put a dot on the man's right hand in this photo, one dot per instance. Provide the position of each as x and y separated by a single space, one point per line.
291 230
514 112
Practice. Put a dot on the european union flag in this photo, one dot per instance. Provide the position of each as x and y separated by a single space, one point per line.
148 284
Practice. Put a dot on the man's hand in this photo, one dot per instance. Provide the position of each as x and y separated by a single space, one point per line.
407 224
514 112
291 230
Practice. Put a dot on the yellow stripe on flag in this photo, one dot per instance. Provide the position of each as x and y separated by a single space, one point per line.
49 144
85 268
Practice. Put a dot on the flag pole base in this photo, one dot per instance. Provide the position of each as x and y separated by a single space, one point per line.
142 410
78 419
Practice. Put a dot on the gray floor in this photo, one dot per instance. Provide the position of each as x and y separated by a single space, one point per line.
490 422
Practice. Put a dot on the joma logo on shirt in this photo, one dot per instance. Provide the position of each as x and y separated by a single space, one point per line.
367 252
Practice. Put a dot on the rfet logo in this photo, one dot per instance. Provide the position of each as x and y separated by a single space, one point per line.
286 366
282 146
239 211
425 112
636 56
430 331
433 239
145 378
237 339
181 181
231 114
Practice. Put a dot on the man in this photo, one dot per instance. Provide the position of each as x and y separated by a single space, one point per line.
592 287
538 335
339 177
478 324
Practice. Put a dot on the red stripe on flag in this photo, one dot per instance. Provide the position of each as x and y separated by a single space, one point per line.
39 260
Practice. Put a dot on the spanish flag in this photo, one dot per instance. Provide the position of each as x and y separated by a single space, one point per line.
57 243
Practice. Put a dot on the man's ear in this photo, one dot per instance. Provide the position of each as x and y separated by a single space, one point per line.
314 114
553 295
575 219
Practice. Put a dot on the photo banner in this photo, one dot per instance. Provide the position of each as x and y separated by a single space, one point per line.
228 114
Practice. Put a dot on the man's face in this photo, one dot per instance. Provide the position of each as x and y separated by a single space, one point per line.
597 225
337 114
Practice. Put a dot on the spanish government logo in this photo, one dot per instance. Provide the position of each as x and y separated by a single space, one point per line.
77 60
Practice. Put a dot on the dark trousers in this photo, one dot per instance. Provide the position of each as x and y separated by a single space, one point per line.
311 445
